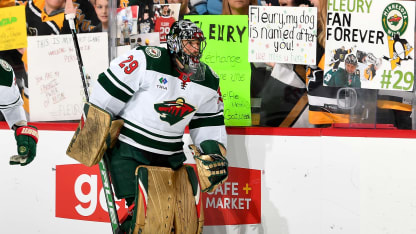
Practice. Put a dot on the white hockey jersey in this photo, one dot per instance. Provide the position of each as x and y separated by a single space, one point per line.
11 103
157 102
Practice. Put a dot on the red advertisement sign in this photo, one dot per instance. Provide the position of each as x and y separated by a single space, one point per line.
79 195
237 201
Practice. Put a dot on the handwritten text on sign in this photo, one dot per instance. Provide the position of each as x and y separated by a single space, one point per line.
12 28
282 34
56 91
226 54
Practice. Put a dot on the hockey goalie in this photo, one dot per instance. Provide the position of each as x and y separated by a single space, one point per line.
158 92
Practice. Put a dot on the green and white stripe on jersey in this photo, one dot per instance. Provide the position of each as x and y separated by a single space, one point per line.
114 86
206 120
140 137
10 105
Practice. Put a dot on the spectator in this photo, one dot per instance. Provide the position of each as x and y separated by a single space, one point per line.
125 32
164 22
284 101
291 3
236 7
146 24
102 11
395 107
328 105
205 7
323 109
281 102
211 7
185 8
46 17
7 3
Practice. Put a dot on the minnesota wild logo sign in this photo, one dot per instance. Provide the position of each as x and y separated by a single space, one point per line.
174 111
395 19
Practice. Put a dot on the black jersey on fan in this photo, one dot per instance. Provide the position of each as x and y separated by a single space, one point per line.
41 23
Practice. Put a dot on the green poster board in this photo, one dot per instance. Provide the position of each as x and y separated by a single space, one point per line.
227 54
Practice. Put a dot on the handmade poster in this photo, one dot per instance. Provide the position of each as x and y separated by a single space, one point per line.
13 32
226 53
56 90
282 34
165 15
370 44
126 23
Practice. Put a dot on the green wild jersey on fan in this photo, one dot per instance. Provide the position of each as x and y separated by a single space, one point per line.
157 102
340 78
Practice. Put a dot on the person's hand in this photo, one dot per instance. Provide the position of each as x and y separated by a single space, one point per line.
26 139
21 50
69 7
270 64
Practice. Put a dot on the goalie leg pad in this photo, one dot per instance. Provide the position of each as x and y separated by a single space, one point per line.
189 215
95 133
155 200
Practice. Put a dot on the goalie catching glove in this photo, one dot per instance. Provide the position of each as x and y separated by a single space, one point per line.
26 139
212 165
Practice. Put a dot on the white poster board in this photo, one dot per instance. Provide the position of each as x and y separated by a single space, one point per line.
380 35
56 91
282 34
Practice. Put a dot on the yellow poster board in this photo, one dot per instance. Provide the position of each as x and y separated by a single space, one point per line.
13 33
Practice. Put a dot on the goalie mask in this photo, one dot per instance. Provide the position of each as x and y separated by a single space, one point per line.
351 63
186 42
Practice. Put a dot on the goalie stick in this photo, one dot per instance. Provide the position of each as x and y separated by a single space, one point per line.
103 164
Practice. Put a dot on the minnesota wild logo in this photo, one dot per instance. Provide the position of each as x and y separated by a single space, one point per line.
395 19
153 52
5 65
174 111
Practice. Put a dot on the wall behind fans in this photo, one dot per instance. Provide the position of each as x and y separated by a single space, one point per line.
288 182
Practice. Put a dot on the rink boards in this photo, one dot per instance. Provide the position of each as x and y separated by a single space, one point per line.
288 181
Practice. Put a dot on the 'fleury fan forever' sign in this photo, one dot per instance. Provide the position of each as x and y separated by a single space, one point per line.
369 44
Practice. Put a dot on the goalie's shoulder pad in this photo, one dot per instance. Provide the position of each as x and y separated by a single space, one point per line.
6 74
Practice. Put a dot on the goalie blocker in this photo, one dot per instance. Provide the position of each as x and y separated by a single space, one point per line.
95 133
